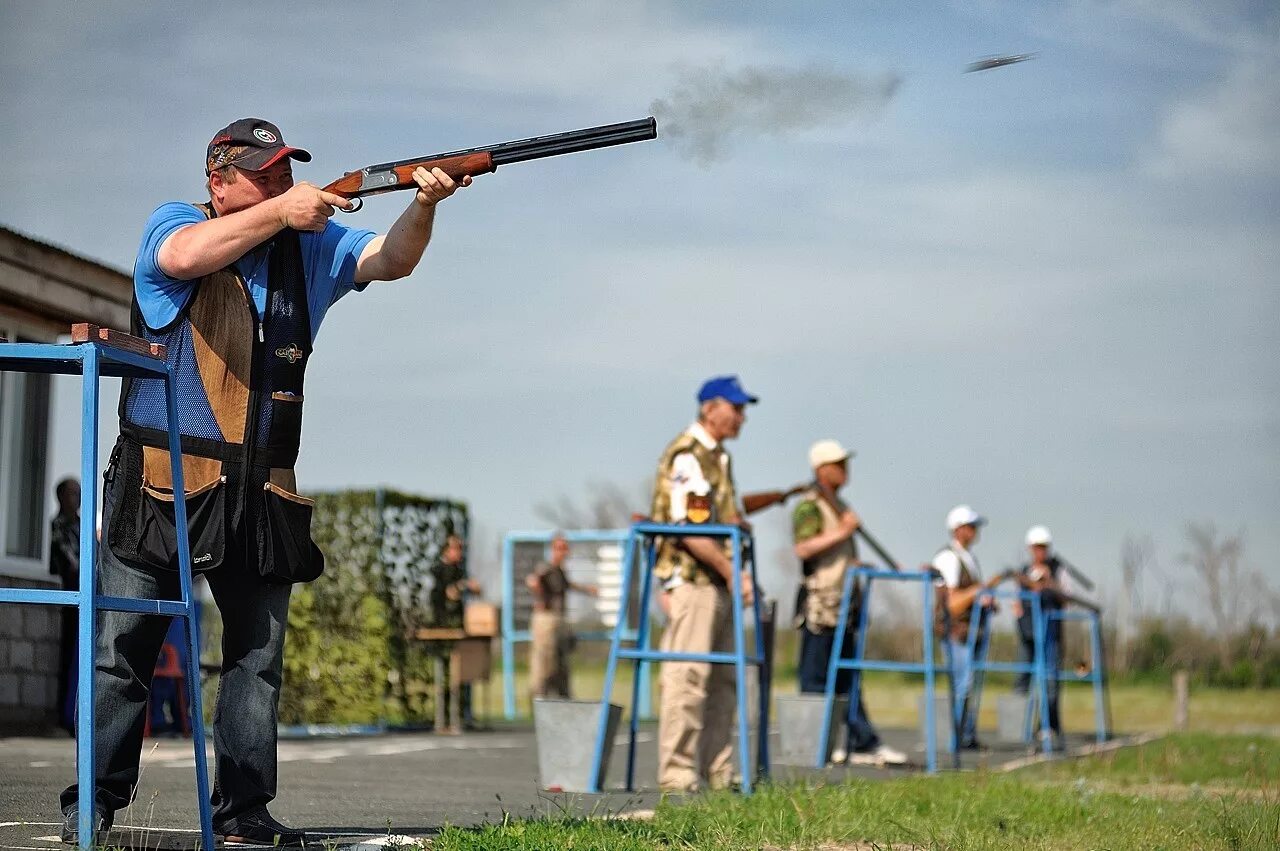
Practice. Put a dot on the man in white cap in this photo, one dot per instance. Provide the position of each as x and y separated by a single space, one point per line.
823 529
960 574
1043 574
1038 541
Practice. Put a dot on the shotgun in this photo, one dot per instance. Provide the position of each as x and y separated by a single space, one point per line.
753 502
388 177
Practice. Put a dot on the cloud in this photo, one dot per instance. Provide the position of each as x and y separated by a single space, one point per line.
1230 128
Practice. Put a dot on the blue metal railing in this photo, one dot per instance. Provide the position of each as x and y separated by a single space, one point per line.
645 534
859 663
511 636
95 360
979 643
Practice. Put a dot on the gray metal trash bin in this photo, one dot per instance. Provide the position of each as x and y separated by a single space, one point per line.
799 718
565 731
1011 715
941 720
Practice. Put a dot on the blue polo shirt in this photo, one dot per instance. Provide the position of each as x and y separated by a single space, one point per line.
328 262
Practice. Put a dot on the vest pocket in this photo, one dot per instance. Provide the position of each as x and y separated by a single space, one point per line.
286 420
157 530
288 553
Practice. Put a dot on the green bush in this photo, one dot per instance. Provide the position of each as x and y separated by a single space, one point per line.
347 659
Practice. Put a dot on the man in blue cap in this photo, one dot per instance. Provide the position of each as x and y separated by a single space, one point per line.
694 484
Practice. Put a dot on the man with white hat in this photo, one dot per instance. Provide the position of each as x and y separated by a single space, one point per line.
823 529
960 574
1042 574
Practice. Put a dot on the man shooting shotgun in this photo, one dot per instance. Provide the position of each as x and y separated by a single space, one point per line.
236 287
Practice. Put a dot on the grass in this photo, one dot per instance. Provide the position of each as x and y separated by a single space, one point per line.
1196 760
1071 804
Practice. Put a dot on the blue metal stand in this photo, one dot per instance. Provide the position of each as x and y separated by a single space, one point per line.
511 636
979 641
859 663
645 535
1097 670
95 360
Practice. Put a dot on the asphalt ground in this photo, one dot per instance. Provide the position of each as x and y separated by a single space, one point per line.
350 789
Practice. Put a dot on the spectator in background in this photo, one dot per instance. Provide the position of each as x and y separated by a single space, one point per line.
450 584
552 641
64 562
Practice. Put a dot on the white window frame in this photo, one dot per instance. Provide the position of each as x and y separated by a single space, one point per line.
18 567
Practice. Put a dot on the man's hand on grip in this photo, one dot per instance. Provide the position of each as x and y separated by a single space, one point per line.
307 207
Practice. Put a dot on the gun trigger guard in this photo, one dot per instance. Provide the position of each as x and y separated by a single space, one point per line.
359 203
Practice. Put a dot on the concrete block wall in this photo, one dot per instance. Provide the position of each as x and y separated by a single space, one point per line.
29 638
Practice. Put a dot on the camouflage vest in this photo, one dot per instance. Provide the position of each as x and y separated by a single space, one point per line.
824 573
672 559
944 625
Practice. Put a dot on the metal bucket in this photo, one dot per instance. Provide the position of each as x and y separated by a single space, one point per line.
942 721
1011 716
565 731
799 719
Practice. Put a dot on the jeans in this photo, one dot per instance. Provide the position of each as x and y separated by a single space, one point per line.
254 616
961 684
1052 663
815 656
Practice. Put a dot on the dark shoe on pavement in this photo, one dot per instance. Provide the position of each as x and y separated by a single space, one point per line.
71 824
257 827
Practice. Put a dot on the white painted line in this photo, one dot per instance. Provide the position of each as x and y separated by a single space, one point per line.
1077 753
381 843
29 823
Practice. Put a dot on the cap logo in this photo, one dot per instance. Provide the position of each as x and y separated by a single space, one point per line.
265 136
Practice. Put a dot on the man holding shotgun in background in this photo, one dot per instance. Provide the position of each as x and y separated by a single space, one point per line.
961 581
823 529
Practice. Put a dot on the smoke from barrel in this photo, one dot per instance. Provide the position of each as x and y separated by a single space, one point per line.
709 108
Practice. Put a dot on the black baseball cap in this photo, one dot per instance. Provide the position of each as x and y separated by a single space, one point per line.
251 144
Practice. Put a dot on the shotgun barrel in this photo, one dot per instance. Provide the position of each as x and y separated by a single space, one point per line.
390 176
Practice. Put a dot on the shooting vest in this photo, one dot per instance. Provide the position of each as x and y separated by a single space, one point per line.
239 401
824 573
672 559
944 625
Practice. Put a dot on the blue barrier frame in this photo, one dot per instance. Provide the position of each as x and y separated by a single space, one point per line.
95 360
512 636
646 534
979 643
859 663
1098 669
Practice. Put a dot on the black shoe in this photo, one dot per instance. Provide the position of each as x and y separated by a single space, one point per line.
102 820
257 827
973 745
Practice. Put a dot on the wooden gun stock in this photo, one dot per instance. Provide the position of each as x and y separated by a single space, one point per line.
753 502
351 185
960 599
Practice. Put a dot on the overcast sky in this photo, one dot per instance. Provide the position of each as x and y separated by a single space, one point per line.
1048 290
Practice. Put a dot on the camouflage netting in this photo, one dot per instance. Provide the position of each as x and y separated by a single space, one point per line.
346 657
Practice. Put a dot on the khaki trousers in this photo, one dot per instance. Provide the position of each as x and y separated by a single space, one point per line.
549 655
695 727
